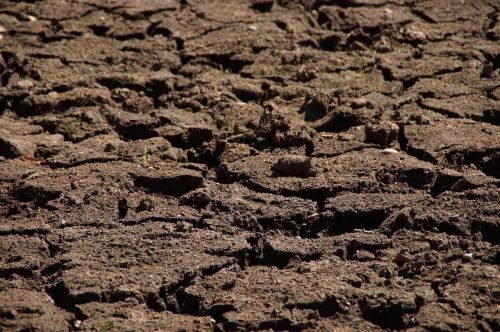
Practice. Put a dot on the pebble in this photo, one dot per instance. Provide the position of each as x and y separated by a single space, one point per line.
414 34
361 102
467 257
382 45
388 12
24 84
390 151
360 230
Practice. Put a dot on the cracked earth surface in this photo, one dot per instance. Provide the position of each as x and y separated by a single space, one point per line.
249 165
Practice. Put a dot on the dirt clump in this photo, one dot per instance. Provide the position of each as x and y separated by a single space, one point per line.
383 133
294 165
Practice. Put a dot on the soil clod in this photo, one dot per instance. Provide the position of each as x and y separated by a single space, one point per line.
294 165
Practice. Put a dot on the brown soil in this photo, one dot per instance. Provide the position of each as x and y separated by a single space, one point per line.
249 165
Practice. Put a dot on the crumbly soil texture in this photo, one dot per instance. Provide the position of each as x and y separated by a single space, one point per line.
298 165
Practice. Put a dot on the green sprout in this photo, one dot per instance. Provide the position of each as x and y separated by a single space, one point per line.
146 157
107 326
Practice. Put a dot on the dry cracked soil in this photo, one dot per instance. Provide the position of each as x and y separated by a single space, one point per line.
329 165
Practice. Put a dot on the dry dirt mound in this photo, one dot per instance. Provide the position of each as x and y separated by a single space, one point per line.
249 165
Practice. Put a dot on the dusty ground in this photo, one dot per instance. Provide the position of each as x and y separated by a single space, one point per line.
233 165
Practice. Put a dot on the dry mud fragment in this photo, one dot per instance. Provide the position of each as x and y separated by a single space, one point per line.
286 298
443 143
122 278
368 170
236 205
131 315
25 308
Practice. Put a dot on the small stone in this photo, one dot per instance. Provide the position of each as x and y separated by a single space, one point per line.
357 46
53 94
24 84
467 257
364 255
361 102
294 165
390 151
362 230
382 45
414 35
252 27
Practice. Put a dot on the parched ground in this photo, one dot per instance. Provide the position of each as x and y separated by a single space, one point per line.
326 165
